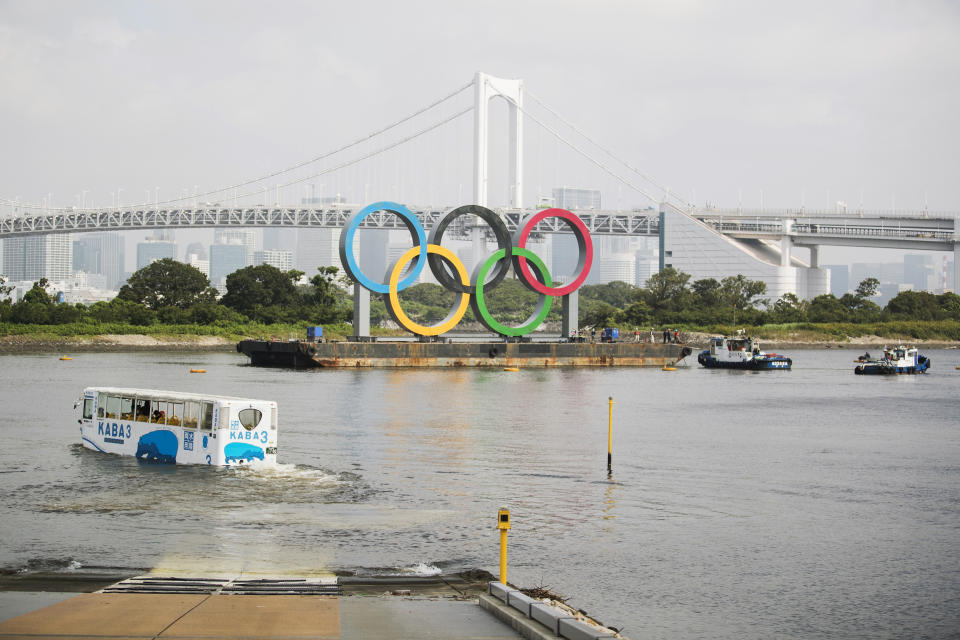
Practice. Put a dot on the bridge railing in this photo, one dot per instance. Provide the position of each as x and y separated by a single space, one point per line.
867 230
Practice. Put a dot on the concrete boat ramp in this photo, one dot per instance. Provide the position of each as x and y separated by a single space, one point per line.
288 608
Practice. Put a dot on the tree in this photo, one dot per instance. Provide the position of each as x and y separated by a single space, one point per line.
740 293
38 293
826 308
252 290
5 289
789 308
707 293
596 313
120 310
667 291
915 305
867 288
324 287
168 283
617 293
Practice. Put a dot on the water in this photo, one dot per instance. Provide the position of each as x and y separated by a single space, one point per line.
810 503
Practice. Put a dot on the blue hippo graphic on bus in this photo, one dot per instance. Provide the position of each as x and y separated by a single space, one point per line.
157 446
241 452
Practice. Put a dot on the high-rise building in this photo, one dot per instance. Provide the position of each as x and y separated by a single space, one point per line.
372 253
647 265
200 264
839 279
34 257
572 198
616 267
918 271
224 260
197 249
317 248
246 237
280 258
153 250
279 238
100 254
564 253
112 259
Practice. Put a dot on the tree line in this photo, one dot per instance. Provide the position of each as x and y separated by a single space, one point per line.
170 292
669 298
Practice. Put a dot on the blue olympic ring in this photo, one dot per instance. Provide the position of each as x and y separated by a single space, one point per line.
412 223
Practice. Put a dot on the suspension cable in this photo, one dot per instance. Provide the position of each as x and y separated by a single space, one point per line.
294 167
607 151
370 154
589 157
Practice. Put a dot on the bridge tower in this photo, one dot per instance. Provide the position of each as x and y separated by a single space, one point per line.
487 87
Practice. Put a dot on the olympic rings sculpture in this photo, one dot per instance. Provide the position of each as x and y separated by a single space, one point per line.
451 273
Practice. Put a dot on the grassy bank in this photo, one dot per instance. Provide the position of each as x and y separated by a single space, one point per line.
927 331
21 336
92 335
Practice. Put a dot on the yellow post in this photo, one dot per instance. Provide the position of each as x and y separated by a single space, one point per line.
610 438
503 524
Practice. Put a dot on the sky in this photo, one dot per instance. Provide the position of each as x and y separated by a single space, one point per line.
732 103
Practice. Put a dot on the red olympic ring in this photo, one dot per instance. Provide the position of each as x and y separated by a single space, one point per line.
583 240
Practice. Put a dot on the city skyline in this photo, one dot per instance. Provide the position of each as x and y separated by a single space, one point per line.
729 105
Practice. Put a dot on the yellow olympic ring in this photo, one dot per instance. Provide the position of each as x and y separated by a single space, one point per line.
393 303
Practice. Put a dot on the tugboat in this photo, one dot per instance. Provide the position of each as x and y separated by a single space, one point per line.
899 359
740 353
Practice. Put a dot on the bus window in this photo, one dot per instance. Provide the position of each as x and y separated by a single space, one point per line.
126 408
206 418
174 413
87 408
113 406
101 404
159 415
191 414
143 409
250 418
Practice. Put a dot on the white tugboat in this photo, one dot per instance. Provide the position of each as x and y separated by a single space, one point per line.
895 360
740 352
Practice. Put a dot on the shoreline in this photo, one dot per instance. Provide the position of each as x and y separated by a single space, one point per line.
118 343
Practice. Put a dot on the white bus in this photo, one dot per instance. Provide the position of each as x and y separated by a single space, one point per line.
180 428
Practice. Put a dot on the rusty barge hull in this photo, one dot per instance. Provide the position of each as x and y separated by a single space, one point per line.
386 355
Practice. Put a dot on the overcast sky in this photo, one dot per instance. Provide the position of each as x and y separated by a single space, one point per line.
722 101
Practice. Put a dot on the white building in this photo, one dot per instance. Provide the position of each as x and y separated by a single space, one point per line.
280 258
317 248
245 237
198 263
41 256
571 198
694 248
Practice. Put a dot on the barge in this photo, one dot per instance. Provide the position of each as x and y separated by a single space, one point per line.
306 353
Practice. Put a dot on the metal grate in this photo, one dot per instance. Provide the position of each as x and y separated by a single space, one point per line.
232 586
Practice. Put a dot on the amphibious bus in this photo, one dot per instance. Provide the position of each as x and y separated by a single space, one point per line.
176 427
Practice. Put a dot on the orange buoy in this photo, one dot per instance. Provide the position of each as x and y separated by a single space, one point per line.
69 358
666 368
198 370
511 369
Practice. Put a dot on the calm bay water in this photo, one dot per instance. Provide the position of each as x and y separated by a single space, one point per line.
812 503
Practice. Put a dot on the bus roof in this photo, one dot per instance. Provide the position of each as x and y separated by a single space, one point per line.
182 395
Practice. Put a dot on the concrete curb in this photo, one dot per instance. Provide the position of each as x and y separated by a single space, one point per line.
535 620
